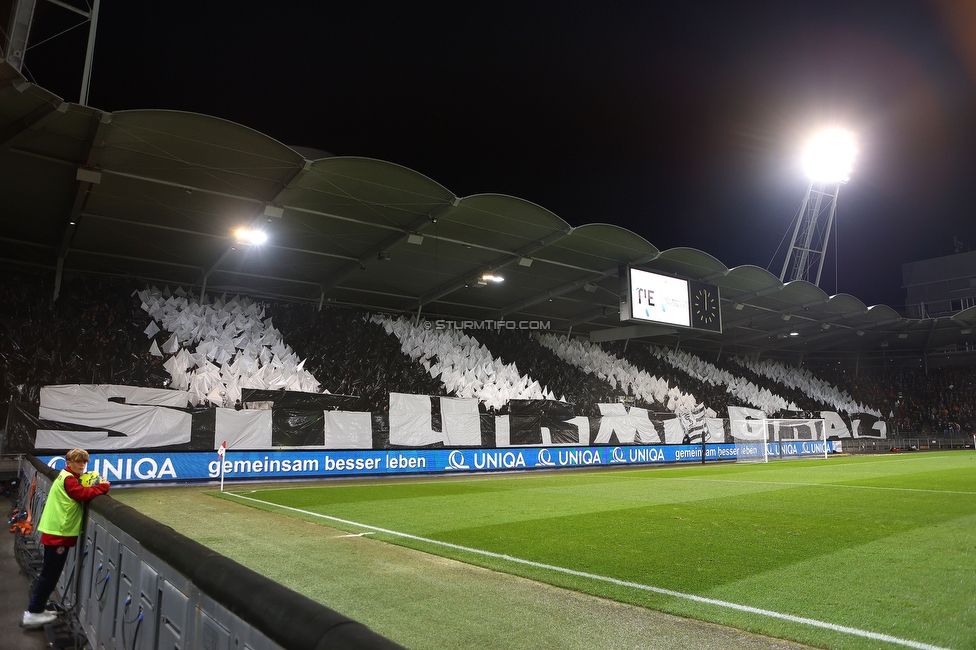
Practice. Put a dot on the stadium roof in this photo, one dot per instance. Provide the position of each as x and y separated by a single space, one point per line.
157 195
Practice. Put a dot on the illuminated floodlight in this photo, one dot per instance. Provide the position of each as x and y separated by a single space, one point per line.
488 277
248 236
829 156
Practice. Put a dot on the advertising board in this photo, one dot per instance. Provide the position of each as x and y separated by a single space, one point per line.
134 468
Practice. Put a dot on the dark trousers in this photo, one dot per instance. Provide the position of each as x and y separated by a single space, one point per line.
54 559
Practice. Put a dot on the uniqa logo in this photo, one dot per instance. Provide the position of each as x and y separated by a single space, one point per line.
544 459
579 457
617 456
124 469
456 461
492 460
53 463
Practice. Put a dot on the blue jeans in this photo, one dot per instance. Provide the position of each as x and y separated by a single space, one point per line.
54 559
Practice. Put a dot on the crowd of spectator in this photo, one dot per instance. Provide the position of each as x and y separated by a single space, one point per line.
94 333
583 390
803 379
619 372
941 401
350 354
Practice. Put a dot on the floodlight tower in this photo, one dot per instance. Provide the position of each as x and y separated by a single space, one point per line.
827 162
22 18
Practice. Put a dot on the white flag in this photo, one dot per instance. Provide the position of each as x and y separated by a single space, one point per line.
222 449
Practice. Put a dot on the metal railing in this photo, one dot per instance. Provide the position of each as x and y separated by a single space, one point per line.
913 443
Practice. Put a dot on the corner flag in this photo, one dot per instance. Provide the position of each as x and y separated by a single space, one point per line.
221 453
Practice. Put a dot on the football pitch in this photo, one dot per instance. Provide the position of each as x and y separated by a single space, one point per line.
850 552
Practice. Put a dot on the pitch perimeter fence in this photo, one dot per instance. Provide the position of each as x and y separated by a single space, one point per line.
915 443
140 585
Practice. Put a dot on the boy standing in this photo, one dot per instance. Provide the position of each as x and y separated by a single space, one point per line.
60 527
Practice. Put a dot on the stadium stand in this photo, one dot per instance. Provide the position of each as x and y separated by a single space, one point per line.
97 333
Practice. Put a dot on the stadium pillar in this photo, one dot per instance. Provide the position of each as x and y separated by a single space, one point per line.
21 18
57 278
89 53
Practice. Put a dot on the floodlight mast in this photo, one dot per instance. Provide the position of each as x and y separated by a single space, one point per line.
805 258
827 162
21 21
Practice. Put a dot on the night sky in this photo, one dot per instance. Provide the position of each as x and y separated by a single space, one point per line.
683 122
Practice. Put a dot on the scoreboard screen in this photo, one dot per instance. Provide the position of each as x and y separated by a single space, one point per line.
657 298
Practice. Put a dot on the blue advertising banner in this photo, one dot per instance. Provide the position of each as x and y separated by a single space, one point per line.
206 466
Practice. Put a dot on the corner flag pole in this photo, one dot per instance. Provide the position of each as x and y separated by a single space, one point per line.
221 453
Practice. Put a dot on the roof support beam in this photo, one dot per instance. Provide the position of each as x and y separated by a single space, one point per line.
593 315
569 286
928 339
154 226
183 186
500 263
833 336
21 242
261 215
250 199
135 259
630 332
17 131
19 32
748 322
87 177
418 225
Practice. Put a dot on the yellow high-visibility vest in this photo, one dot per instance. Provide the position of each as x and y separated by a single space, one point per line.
62 514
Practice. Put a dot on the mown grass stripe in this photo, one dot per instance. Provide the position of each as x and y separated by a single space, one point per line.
824 485
623 583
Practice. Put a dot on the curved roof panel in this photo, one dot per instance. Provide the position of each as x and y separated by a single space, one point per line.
197 151
747 279
689 263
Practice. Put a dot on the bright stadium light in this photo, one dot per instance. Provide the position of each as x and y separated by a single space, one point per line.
829 156
248 236
827 161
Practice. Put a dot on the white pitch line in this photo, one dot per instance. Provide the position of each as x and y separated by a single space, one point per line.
623 583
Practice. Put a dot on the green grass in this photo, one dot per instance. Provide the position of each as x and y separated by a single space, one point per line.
883 544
